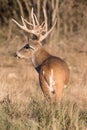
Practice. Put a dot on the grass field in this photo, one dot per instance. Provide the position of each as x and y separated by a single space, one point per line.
41 116
22 103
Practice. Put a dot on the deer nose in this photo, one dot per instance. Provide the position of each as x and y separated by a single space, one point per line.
18 55
15 54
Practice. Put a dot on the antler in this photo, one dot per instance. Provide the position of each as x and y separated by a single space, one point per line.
41 31
35 24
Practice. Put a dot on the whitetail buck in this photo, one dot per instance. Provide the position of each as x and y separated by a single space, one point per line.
53 71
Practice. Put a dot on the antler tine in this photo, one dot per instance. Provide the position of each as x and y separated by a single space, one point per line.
32 16
42 24
24 27
28 22
17 23
23 22
43 28
44 36
37 22
45 16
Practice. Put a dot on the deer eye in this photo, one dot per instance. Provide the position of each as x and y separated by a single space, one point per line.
27 46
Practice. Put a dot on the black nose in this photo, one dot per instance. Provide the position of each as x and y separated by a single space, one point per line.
15 54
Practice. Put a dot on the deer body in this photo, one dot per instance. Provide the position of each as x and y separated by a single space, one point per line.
53 74
53 71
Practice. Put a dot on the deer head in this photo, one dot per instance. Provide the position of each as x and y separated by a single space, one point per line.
39 31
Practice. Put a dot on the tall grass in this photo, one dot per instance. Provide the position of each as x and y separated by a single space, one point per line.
42 116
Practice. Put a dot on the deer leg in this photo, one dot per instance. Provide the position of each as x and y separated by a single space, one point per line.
47 86
59 92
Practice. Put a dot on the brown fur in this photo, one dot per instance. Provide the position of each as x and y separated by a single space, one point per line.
60 73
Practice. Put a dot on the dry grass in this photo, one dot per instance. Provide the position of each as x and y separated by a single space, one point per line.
42 116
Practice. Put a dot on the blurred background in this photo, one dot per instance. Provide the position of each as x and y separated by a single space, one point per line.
71 15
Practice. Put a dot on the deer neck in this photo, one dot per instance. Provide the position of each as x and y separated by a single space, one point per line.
40 55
